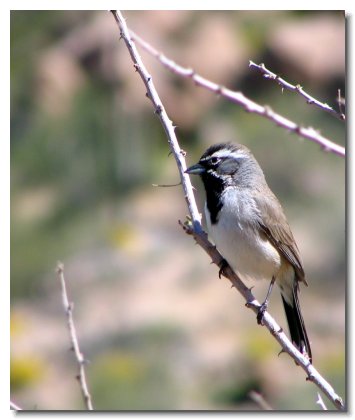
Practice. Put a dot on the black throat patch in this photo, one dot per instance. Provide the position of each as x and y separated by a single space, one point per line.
214 187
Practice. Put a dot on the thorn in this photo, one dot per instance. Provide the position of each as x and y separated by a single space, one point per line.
280 352
219 90
297 129
191 73
158 110
267 110
60 267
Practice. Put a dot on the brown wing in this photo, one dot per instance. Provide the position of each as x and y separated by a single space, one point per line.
275 226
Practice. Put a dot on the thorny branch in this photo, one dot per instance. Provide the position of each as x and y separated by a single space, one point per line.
239 98
68 307
194 226
298 89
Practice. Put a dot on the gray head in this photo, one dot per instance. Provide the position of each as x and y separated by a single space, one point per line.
228 164
224 166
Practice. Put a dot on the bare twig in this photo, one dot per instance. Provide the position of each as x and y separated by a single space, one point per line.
260 400
194 227
321 402
298 89
167 185
239 98
312 374
163 116
68 307
15 407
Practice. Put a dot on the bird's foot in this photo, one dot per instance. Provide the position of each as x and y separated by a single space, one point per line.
223 264
261 312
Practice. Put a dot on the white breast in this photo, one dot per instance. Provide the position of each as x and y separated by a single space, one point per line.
249 254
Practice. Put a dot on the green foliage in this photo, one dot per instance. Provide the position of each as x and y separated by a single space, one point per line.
238 392
123 381
25 371
138 375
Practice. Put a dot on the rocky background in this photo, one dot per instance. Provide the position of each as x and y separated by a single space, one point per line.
160 330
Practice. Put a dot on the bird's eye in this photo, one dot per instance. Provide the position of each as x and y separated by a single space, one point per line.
214 160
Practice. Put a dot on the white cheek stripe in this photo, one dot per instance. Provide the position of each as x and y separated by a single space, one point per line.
227 153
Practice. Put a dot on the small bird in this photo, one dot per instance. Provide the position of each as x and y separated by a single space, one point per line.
250 230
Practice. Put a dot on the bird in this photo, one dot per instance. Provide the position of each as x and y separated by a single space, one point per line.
249 228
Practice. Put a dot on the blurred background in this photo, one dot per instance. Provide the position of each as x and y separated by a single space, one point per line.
159 328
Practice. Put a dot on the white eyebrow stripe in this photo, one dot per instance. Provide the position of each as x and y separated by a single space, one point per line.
227 153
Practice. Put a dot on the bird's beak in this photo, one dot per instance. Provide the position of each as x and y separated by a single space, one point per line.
197 169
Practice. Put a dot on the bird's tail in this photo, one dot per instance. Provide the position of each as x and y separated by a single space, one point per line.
295 322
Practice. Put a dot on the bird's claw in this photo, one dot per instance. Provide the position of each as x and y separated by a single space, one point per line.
261 312
223 264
